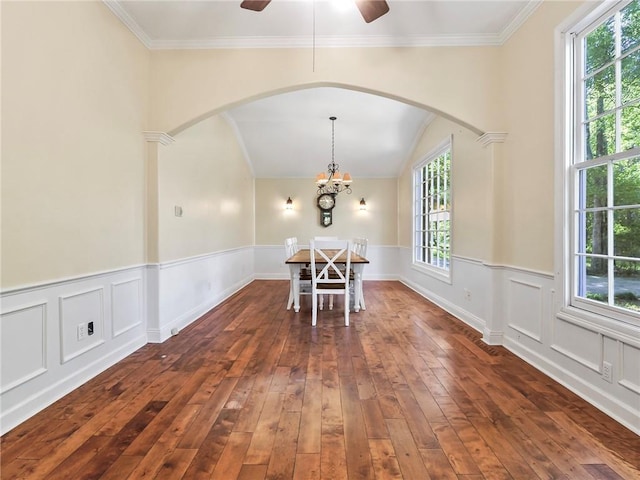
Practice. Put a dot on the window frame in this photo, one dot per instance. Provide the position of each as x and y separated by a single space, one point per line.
574 161
440 273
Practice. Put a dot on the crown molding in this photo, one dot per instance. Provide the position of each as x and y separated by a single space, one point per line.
159 137
492 137
519 20
307 41
129 22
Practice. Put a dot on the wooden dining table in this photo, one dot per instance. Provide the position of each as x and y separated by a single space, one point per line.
303 257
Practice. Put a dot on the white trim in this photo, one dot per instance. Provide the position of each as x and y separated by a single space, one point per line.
519 20
589 392
160 137
461 314
491 137
197 258
436 152
67 280
129 22
307 41
44 367
37 402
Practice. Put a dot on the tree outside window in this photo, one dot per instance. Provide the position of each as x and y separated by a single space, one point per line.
606 258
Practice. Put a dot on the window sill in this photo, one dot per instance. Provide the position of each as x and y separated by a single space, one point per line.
438 274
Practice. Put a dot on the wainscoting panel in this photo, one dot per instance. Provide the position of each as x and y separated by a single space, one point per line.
630 367
189 288
21 361
42 356
524 308
578 343
77 311
126 305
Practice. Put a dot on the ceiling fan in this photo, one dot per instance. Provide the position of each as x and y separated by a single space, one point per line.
370 9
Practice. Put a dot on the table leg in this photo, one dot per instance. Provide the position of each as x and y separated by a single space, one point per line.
295 282
357 287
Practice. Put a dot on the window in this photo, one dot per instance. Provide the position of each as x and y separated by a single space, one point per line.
432 211
605 165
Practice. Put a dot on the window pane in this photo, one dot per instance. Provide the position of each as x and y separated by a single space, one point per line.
595 233
626 232
630 129
600 136
595 194
600 46
597 287
630 18
627 285
600 92
630 77
626 183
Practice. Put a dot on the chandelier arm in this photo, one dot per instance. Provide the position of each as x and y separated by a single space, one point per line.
335 183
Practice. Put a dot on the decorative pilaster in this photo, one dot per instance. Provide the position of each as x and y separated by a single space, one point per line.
494 327
152 228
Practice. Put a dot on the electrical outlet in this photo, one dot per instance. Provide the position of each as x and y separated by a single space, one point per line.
82 331
467 294
607 371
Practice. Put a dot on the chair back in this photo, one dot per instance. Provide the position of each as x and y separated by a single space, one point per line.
360 246
291 246
328 274
330 242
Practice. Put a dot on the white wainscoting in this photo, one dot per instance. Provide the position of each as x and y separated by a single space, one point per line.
467 294
42 356
42 359
188 288
515 307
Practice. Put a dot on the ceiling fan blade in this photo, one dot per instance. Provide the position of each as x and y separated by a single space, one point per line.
372 9
255 5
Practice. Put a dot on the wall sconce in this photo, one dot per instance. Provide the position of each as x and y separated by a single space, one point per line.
289 204
363 204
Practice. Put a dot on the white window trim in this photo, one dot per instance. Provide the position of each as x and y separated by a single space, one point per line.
435 272
565 148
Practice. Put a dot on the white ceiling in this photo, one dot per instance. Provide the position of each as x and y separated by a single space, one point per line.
289 135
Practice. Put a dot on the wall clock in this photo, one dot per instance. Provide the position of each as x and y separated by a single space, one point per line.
326 202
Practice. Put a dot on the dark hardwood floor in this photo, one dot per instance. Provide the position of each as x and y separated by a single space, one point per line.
252 391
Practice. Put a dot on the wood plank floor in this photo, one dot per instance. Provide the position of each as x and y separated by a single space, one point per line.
252 391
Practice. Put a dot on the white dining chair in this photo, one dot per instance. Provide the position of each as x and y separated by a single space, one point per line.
334 244
330 278
299 276
360 249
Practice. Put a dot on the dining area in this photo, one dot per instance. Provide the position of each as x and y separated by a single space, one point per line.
325 270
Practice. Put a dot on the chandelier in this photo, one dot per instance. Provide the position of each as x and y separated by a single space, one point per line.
333 182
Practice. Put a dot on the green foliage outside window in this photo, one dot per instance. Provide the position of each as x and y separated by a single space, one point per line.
609 178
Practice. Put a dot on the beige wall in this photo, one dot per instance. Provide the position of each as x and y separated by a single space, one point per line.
74 106
471 181
273 223
205 173
78 90
187 85
527 233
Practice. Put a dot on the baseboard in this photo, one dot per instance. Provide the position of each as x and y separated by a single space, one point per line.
588 392
24 410
187 318
467 317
